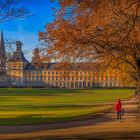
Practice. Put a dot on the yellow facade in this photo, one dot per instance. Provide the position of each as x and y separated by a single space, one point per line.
60 78
25 74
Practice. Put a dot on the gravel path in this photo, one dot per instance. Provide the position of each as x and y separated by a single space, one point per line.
101 126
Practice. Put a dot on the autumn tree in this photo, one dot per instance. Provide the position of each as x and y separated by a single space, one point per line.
103 31
93 30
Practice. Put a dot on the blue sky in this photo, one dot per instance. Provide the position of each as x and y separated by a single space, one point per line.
26 30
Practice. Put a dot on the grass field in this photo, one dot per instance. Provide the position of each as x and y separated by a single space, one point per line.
34 106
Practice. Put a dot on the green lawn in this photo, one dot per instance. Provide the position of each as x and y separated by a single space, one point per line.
33 106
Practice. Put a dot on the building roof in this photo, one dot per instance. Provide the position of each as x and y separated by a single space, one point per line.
62 66
18 57
42 66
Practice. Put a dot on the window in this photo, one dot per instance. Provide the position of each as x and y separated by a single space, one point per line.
84 77
25 78
56 84
14 71
40 77
32 78
110 84
14 78
106 77
37 78
28 78
48 77
44 77
72 77
64 84
102 77
60 84
14 66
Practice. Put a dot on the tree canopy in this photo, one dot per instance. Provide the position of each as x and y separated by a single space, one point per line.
107 31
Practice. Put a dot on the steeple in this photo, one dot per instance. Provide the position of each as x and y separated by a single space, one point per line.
2 54
1 38
2 46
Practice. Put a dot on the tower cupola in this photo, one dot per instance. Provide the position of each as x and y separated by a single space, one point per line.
18 45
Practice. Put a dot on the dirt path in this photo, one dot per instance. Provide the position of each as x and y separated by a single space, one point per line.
102 126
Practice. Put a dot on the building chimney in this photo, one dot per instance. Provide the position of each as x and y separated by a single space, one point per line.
18 44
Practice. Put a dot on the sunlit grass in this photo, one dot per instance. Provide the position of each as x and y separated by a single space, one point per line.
33 106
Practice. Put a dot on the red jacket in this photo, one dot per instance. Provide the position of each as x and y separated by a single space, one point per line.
118 106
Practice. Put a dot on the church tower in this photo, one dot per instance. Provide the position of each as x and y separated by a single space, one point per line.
16 66
2 55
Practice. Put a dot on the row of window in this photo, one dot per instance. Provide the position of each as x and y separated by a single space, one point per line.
15 66
51 78
56 72
80 84
15 72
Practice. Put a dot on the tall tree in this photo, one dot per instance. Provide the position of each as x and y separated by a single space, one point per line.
96 30
107 31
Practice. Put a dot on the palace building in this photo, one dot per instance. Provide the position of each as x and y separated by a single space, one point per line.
22 73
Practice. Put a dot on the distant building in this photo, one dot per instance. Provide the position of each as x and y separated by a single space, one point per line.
22 73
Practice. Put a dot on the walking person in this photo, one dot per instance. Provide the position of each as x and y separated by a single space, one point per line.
118 110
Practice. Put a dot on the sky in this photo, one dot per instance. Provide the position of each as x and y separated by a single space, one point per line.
26 30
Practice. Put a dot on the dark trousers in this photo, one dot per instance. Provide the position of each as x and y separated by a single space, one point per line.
119 115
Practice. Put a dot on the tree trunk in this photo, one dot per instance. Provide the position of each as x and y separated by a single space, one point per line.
138 96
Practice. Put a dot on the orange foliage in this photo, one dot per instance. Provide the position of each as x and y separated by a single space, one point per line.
103 31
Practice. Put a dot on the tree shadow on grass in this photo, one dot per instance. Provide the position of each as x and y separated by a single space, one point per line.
30 123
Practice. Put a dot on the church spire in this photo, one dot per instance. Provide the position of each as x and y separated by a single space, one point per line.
2 54
1 38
